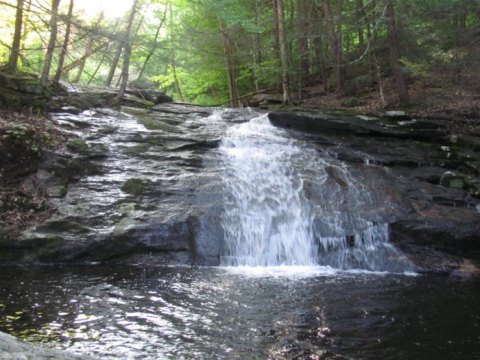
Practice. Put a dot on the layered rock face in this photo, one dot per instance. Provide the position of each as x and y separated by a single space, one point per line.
423 173
144 186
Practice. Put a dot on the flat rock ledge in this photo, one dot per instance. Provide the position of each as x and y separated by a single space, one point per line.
13 349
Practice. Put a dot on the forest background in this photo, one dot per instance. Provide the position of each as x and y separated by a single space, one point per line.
337 53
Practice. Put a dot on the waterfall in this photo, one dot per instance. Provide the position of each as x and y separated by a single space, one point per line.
287 205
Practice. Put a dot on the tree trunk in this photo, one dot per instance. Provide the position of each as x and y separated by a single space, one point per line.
127 53
80 61
114 64
303 30
83 62
51 43
25 22
17 37
102 60
400 81
276 44
380 81
66 40
92 76
173 57
282 39
229 51
318 46
154 46
359 15
334 22
257 52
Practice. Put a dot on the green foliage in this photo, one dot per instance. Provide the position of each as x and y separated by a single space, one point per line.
188 55
417 69
21 147
21 137
77 146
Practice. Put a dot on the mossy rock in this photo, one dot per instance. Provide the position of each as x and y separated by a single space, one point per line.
135 186
21 82
155 124
78 146
20 149
457 183
108 129
135 102
75 168
136 149
61 226
135 110
453 181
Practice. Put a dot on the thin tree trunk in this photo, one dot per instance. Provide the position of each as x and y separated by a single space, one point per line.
318 46
25 22
400 81
276 43
102 60
256 64
334 22
154 46
83 62
119 80
256 53
380 81
66 40
127 53
173 57
303 27
78 62
17 37
258 39
114 64
92 76
229 51
51 43
359 14
282 39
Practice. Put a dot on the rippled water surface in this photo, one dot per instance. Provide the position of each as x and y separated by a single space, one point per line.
241 313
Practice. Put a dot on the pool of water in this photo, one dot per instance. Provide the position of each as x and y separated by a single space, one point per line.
241 313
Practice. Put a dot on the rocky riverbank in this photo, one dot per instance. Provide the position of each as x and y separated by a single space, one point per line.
141 183
13 349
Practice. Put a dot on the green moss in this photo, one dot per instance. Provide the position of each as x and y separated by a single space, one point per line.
59 226
135 186
457 183
135 110
155 124
78 146
137 149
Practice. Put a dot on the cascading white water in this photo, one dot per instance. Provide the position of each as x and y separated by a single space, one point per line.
266 218
287 205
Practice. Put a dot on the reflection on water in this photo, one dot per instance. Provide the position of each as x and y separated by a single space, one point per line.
235 313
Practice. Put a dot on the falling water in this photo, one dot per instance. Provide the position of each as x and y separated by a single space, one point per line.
271 217
266 218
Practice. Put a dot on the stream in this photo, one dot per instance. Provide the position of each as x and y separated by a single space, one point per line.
228 313
240 240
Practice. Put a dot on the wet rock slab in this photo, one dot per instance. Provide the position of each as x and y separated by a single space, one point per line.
144 185
14 349
429 186
129 187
